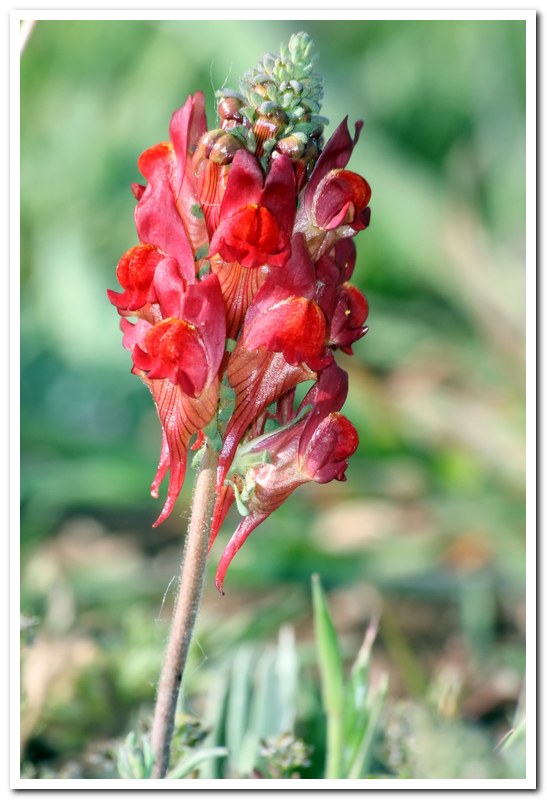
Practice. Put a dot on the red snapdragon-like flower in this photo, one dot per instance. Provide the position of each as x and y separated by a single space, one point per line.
187 345
165 214
257 213
341 198
285 316
315 447
135 273
335 200
238 290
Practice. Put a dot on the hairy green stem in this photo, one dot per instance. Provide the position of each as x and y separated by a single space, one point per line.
186 609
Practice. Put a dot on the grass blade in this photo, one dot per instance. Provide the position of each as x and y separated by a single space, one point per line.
189 764
332 679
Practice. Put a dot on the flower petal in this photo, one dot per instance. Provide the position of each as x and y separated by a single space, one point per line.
336 154
156 216
181 417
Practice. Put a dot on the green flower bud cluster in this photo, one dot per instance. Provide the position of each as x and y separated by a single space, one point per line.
288 81
278 104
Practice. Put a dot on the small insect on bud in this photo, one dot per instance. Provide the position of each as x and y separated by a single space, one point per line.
224 149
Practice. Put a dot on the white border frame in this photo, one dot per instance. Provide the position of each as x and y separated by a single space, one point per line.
283 10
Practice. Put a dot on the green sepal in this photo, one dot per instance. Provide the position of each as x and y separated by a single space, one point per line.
238 496
204 270
212 433
202 252
196 210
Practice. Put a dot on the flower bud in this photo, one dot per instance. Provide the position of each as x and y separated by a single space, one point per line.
268 125
292 146
224 149
206 143
229 109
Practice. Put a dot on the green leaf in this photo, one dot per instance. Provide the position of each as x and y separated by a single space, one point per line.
135 757
332 678
189 764
371 728
239 698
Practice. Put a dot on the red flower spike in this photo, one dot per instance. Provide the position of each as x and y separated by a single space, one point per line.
257 214
238 298
135 273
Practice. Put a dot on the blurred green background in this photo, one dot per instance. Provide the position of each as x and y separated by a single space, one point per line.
427 534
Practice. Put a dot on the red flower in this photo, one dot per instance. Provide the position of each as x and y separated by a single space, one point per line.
135 273
341 198
335 199
284 316
257 214
347 324
336 154
316 447
187 345
178 358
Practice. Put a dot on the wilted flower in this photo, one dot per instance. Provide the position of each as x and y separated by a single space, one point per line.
239 289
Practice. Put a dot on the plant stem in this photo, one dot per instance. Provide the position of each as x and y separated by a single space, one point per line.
186 609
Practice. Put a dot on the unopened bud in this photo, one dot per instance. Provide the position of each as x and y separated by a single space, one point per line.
206 143
292 146
229 109
225 148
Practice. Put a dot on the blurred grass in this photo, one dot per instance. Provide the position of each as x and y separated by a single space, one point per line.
428 531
